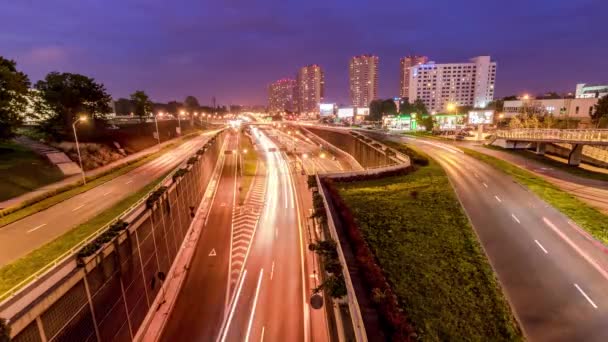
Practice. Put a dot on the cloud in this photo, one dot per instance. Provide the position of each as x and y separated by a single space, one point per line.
46 54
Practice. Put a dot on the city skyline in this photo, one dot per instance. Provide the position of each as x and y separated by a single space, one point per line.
170 51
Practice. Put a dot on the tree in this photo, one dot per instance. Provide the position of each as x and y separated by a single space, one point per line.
427 122
420 107
13 97
600 111
142 104
405 107
497 105
375 110
123 106
510 98
191 103
389 107
71 95
174 107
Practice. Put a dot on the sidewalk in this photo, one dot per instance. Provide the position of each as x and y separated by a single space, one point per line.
77 178
592 191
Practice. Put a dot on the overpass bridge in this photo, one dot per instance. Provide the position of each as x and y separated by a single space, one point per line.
541 137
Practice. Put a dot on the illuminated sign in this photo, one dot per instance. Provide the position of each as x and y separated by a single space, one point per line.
363 111
326 109
346 112
481 117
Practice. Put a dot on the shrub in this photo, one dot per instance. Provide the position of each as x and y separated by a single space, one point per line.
5 330
192 160
396 323
179 173
155 196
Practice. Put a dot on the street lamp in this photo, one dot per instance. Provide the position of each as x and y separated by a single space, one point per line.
83 119
179 122
156 123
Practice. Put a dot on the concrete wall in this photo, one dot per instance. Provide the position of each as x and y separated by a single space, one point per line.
366 155
108 298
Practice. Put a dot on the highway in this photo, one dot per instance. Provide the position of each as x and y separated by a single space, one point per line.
200 307
269 297
553 274
21 237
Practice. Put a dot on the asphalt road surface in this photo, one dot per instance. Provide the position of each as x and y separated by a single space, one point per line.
554 275
269 301
21 237
200 307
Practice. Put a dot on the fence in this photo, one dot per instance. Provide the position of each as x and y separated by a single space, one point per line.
588 136
108 297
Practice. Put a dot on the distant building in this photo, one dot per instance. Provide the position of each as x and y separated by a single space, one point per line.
281 96
310 87
585 91
363 79
456 84
404 72
578 109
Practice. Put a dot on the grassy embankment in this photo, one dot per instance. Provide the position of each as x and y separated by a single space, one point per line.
556 164
431 256
250 161
47 200
17 271
584 215
22 170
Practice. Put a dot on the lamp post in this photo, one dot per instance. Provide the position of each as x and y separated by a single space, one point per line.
82 118
179 122
156 123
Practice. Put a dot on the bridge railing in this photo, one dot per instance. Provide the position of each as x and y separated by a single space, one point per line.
565 135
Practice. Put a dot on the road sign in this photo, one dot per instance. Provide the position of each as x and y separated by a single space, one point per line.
212 252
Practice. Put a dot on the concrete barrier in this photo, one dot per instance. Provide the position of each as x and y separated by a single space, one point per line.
109 296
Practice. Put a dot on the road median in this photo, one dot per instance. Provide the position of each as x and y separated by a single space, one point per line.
420 237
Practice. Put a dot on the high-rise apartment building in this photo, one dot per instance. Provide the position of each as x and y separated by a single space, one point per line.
459 84
281 96
363 77
404 72
310 86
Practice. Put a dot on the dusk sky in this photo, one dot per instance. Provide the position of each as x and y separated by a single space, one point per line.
234 48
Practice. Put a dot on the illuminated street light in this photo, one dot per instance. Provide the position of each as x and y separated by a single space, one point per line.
244 151
526 97
451 107
82 118
322 155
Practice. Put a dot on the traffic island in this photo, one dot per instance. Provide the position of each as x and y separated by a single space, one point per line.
415 260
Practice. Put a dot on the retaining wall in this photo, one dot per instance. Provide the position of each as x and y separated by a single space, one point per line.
108 297
365 154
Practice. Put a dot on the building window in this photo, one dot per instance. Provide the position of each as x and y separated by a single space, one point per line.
576 110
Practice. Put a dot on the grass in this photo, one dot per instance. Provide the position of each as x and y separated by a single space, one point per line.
584 215
556 164
17 271
250 161
429 252
47 200
22 170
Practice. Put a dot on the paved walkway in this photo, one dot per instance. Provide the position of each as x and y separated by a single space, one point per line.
76 178
591 191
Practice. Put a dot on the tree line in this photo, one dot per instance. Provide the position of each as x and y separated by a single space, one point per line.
59 99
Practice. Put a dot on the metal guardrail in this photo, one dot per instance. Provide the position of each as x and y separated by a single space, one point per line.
590 136
70 253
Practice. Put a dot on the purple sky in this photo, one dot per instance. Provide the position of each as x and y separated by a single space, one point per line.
234 48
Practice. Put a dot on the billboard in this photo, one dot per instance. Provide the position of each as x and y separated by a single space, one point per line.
346 112
481 117
326 109
363 111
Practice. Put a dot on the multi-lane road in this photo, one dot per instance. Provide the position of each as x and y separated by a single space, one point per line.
268 299
21 237
554 275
